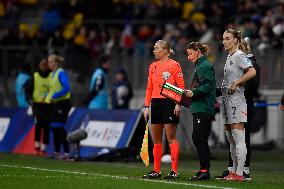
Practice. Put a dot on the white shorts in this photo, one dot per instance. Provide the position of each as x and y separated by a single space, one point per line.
234 109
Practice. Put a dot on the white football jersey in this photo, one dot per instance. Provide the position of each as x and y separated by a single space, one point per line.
234 69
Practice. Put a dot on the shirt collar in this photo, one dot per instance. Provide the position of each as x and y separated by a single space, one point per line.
200 60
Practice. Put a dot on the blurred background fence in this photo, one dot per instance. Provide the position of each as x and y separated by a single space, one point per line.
80 67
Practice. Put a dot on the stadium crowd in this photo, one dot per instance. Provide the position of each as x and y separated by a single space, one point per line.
98 27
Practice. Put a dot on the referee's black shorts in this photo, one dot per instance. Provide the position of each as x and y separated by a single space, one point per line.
162 111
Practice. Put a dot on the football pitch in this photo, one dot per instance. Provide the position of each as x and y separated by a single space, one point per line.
21 171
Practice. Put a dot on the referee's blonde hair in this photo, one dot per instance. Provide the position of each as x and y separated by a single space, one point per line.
166 45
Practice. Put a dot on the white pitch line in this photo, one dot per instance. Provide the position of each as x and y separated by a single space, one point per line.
114 176
135 166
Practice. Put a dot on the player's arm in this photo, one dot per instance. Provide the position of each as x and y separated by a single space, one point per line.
249 74
248 70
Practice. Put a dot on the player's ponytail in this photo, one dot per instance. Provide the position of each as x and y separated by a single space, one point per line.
245 46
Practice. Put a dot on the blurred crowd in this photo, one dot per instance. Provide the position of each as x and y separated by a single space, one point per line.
82 30
102 25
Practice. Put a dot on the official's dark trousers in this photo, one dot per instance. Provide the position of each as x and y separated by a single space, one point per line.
42 128
60 116
60 135
200 135
42 117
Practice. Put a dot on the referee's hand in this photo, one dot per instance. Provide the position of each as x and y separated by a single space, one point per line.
177 110
146 114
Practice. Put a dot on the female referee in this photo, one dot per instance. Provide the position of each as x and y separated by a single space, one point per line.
164 112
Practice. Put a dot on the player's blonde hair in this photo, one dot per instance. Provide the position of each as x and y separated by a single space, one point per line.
245 46
236 34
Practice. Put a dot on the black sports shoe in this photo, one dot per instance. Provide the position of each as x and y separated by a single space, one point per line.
201 176
172 175
224 174
247 176
152 175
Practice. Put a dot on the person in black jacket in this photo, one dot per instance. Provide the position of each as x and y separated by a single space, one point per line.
251 88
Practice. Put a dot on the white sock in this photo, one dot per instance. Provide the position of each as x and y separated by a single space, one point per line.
231 169
232 150
241 149
42 147
246 170
37 144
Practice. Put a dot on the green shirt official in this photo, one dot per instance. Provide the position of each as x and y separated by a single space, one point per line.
203 86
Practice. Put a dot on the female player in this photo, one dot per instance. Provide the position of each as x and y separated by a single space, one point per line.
238 69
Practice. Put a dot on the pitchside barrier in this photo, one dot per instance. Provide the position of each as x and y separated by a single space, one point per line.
110 130
107 130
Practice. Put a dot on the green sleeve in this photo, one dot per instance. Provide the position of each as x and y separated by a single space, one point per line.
206 77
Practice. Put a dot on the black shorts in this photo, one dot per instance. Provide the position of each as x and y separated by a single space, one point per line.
162 111
60 111
42 112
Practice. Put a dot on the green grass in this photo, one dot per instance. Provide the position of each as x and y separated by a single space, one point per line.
20 171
